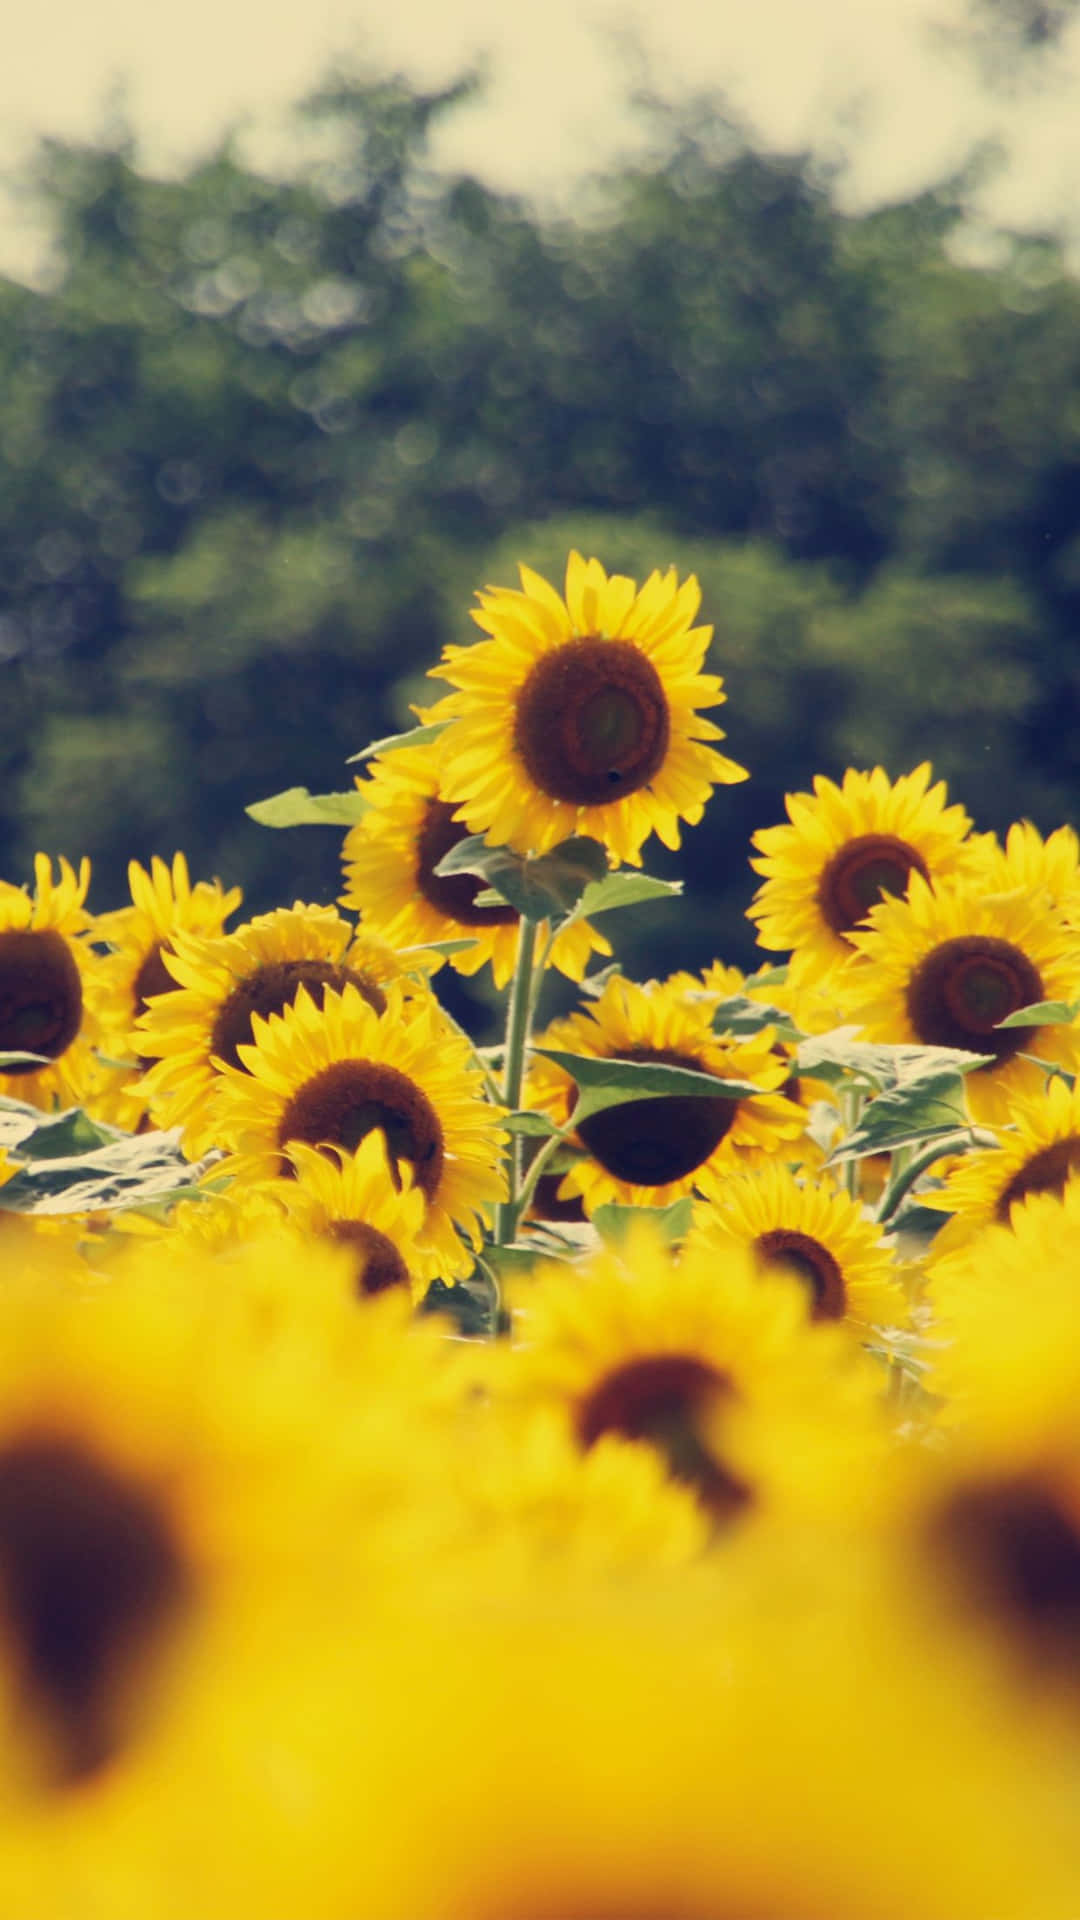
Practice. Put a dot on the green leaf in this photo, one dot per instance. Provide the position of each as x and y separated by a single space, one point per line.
611 1083
129 1171
412 737
672 1223
10 1060
443 947
67 1136
839 1059
622 889
1043 1013
296 807
469 1307
594 984
931 1104
742 1016
768 977
542 887
535 1126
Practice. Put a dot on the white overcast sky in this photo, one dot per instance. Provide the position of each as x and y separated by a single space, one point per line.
802 71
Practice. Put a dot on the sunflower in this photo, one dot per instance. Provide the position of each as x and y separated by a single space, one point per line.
360 1202
649 1152
581 715
1038 1152
695 1359
51 990
390 857
1050 867
328 1075
163 903
220 983
846 848
815 1231
947 965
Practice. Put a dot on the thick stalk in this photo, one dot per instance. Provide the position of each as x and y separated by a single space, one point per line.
904 1177
518 1023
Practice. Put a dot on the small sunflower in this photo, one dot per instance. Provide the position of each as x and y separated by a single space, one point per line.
390 858
328 1075
50 985
650 1152
947 965
1038 1152
814 1231
846 848
163 903
582 715
220 983
1050 867
360 1202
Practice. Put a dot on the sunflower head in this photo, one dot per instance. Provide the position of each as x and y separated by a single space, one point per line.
51 987
845 849
391 856
581 714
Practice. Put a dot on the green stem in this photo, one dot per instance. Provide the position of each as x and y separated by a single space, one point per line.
904 1178
851 1106
536 1168
518 1023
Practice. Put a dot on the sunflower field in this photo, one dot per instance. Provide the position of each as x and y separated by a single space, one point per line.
630 1471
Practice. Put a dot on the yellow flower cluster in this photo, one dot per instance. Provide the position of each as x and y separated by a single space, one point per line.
632 1470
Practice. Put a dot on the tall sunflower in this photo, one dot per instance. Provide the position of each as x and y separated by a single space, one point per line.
51 990
369 1205
221 983
649 1152
947 965
390 857
810 1229
1050 866
328 1075
581 715
846 848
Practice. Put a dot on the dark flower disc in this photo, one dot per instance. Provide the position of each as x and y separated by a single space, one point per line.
453 893
964 987
801 1254
861 873
651 1142
592 721
661 1398
340 1105
273 987
41 997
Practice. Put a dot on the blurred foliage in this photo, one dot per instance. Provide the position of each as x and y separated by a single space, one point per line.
261 439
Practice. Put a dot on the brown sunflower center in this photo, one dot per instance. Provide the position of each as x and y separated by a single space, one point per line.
1046 1172
784 1249
453 893
592 721
964 987
1017 1548
379 1265
861 873
41 996
342 1104
153 977
663 1398
651 1142
91 1578
272 988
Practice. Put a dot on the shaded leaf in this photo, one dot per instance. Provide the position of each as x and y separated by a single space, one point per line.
543 887
66 1136
393 742
611 1083
534 1125
296 807
840 1059
1043 1013
443 947
742 1016
470 1308
9 1060
623 889
905 1115
127 1171
672 1223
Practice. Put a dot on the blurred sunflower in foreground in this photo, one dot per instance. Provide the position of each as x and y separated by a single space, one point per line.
581 715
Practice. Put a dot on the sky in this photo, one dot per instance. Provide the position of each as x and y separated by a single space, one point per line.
876 76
